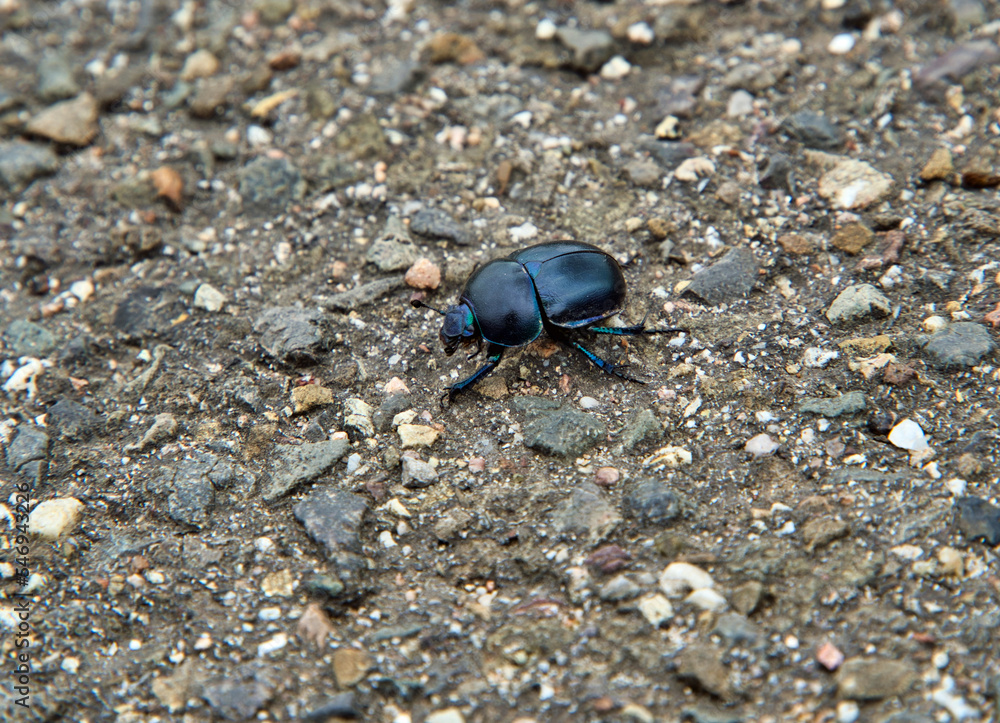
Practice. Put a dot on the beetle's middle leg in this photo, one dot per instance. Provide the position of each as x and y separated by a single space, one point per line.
602 364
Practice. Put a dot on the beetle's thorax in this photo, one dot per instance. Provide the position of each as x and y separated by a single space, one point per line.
459 327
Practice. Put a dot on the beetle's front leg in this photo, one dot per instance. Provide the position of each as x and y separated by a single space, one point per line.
494 352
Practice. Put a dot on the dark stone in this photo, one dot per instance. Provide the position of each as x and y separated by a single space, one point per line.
393 405
333 518
294 465
652 502
435 223
21 163
933 78
591 48
813 130
292 335
270 185
72 420
558 429
777 173
339 706
705 713
728 279
397 75
669 154
148 311
26 338
962 344
736 630
978 519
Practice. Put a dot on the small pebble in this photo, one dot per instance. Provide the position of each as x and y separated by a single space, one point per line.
761 445
841 44
545 30
640 33
589 403
616 68
934 324
680 577
604 477
847 711
52 519
908 435
424 274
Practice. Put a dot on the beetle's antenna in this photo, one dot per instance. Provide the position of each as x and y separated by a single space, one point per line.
417 303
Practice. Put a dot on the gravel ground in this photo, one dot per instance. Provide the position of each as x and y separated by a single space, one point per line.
248 499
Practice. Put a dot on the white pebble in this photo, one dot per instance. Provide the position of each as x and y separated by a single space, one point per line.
786 529
522 119
908 435
263 544
269 614
707 599
679 577
956 486
385 537
546 29
847 711
70 665
740 104
934 323
52 519
589 403
273 645
656 609
525 231
817 358
82 289
640 33
841 44
257 136
761 445
209 298
616 68
155 577
955 704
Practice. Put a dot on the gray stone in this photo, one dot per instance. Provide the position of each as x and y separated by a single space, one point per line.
397 75
951 66
22 162
364 294
978 519
270 185
587 514
728 279
435 223
72 420
291 334
618 588
148 311
813 130
963 344
190 485
393 250
591 48
55 79
417 473
303 463
874 678
777 173
393 405
26 338
558 429
857 302
850 403
237 698
679 96
704 713
339 706
211 96
643 173
701 665
641 426
30 444
71 122
652 502
736 630
333 518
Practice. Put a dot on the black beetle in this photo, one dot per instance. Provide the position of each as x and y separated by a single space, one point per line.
552 286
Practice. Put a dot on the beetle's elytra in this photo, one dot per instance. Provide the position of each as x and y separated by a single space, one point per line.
552 286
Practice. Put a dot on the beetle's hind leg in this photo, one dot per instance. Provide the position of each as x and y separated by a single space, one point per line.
634 330
605 366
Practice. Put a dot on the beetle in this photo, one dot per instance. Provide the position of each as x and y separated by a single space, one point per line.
555 286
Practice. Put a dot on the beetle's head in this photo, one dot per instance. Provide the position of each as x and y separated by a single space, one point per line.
459 327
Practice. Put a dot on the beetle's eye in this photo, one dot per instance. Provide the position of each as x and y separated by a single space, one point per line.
470 326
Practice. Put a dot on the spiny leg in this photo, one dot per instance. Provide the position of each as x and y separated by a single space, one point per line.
605 366
493 354
634 330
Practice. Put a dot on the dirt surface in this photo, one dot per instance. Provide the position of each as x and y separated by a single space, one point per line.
248 501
